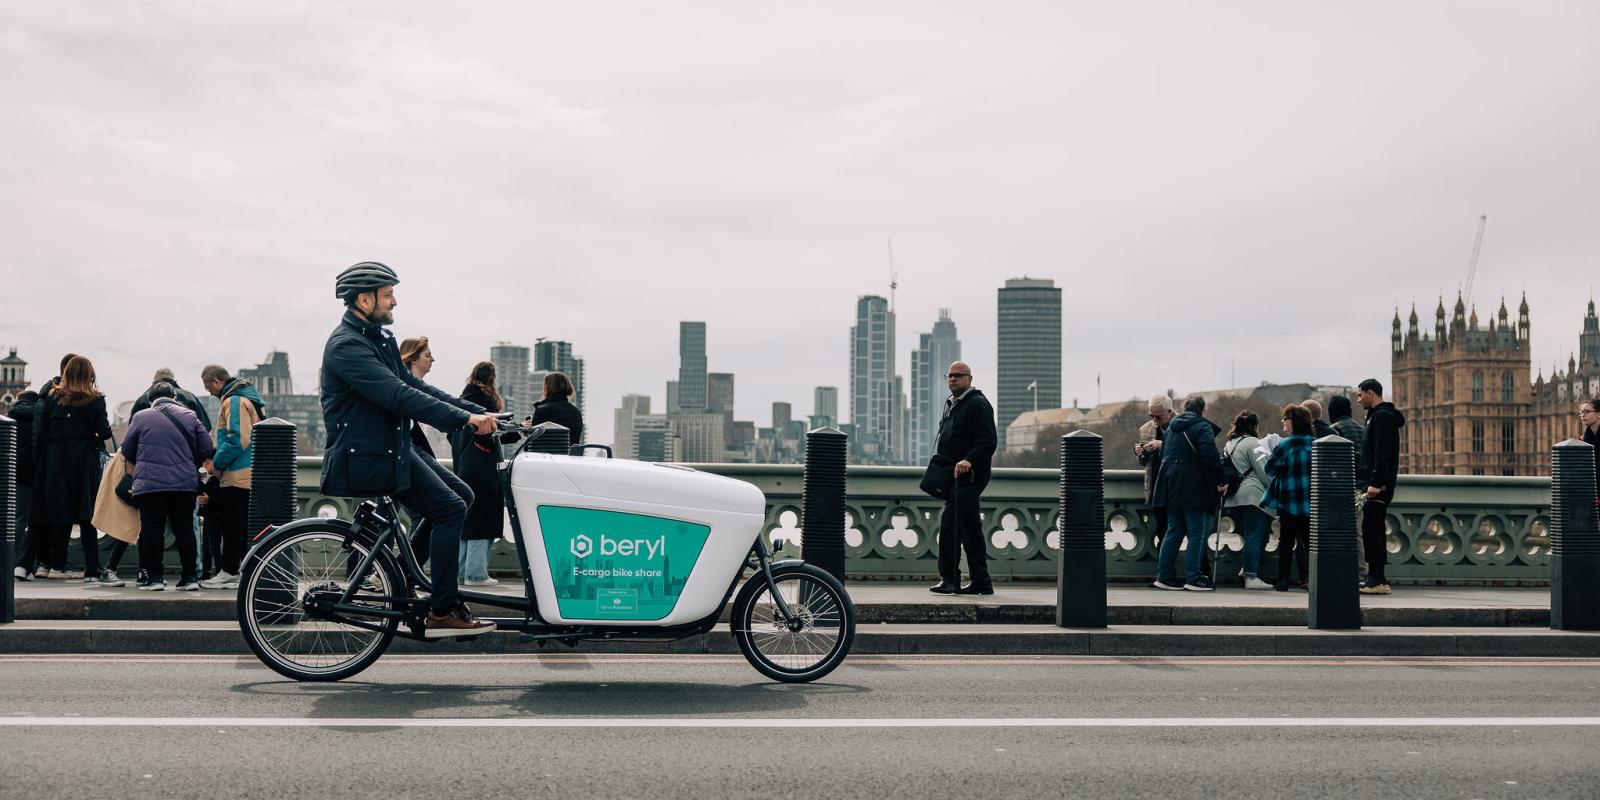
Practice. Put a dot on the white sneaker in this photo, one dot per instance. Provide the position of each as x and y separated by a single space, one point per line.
154 586
484 582
221 580
1253 582
22 574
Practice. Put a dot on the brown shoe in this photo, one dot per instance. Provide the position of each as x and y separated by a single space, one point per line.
457 621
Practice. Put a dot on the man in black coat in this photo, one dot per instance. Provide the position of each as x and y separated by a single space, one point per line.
368 400
967 438
184 396
1380 452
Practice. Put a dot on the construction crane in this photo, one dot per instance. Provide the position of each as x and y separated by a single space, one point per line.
894 277
1472 266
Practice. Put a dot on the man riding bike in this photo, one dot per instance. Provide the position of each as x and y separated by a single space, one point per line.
368 400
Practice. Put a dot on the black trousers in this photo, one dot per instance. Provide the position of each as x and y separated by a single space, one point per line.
437 495
228 521
58 537
27 543
1374 538
960 528
157 510
1294 535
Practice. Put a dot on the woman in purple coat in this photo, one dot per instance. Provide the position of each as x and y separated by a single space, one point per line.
165 447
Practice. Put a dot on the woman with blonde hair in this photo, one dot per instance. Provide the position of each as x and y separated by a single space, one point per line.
69 429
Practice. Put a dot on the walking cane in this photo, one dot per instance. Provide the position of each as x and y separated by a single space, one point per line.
1216 547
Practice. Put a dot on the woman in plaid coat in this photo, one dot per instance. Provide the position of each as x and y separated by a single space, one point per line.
1290 493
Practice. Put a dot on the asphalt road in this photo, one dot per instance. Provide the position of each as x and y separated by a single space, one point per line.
576 726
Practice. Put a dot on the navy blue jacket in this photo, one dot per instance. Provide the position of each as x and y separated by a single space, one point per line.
1189 476
369 399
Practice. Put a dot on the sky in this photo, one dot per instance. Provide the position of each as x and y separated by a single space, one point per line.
1229 192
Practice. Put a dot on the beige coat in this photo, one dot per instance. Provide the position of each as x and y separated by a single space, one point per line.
119 520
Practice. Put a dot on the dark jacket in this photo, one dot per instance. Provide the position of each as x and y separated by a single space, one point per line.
165 457
1381 449
1352 430
966 433
1592 438
67 442
368 397
419 439
476 461
22 412
1321 428
1191 465
561 412
186 397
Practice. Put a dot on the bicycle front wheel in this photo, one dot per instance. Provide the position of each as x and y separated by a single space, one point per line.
278 579
810 646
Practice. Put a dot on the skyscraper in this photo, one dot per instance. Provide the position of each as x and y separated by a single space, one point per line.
934 354
623 440
556 356
691 367
873 395
719 398
825 406
1028 349
511 378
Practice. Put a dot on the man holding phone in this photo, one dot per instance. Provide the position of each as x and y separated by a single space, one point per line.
967 438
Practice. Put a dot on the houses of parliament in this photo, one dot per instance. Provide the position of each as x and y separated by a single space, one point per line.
1472 403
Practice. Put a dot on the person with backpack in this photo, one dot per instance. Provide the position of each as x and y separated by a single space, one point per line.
229 500
1245 470
1189 486
165 447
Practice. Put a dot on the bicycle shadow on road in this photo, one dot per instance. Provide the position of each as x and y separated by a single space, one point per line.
560 698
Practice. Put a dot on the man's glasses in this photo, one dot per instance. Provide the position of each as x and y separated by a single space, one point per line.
959 375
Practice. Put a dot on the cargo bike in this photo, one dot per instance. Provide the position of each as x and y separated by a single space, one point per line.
609 549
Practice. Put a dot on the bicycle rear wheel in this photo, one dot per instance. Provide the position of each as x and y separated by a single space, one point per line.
278 578
817 640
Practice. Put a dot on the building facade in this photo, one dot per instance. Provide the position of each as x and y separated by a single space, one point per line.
1467 397
556 356
273 380
825 406
512 380
873 390
1028 349
691 367
934 354
13 379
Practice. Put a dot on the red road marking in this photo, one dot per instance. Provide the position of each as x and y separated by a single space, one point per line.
1082 661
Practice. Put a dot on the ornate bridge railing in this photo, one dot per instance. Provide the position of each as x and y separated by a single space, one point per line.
1455 530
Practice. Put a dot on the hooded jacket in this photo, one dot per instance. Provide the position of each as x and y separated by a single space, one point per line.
166 457
1381 449
241 410
368 400
1191 466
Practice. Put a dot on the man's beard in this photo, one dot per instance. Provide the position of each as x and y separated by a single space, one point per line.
382 317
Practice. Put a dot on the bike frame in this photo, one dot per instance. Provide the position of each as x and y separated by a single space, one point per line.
378 521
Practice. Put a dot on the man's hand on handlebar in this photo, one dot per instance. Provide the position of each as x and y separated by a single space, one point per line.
482 424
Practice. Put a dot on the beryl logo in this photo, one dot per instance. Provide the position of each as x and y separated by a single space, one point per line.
582 546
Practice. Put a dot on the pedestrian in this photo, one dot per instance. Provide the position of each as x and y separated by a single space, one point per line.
1190 486
27 545
1251 519
557 407
1589 418
367 397
477 464
1339 411
184 396
417 356
1289 479
1148 451
1380 450
70 428
966 439
228 502
166 446
1319 428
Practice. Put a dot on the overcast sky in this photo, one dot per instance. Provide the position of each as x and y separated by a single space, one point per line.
1214 184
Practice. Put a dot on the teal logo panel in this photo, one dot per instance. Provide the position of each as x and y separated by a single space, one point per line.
613 565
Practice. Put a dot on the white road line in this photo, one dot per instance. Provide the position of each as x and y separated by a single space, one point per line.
701 722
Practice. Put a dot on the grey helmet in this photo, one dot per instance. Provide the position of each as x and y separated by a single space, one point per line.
368 276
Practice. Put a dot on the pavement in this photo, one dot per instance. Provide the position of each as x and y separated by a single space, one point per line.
59 617
585 726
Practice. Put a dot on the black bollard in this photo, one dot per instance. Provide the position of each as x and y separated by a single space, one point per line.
1081 567
8 518
548 437
272 498
1335 602
822 520
1574 539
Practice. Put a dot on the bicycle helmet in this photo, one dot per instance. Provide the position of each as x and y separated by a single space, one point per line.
368 276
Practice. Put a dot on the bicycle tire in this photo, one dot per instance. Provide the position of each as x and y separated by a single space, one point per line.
823 604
